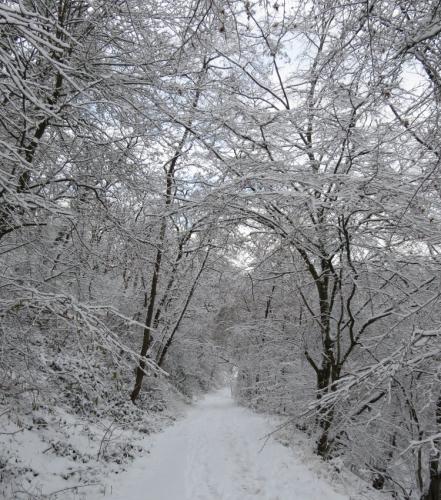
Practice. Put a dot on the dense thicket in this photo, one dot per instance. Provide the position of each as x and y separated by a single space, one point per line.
196 183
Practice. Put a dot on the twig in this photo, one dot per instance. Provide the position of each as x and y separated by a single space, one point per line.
72 488
11 433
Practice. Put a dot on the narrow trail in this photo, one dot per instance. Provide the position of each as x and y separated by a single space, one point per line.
216 453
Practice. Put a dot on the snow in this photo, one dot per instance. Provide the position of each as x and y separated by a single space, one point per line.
220 451
41 471
63 455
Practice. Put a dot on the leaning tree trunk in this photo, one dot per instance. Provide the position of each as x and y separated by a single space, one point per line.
170 181
146 341
163 351
147 336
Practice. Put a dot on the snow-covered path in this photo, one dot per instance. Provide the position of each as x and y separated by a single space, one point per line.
216 453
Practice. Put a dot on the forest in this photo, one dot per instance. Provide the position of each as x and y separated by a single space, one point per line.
194 190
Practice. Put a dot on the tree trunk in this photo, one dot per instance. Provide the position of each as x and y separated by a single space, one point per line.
162 352
325 415
147 337
434 491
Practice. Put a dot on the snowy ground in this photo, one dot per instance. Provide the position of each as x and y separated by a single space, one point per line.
218 452
49 453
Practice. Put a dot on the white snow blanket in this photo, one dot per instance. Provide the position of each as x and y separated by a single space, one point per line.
219 451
